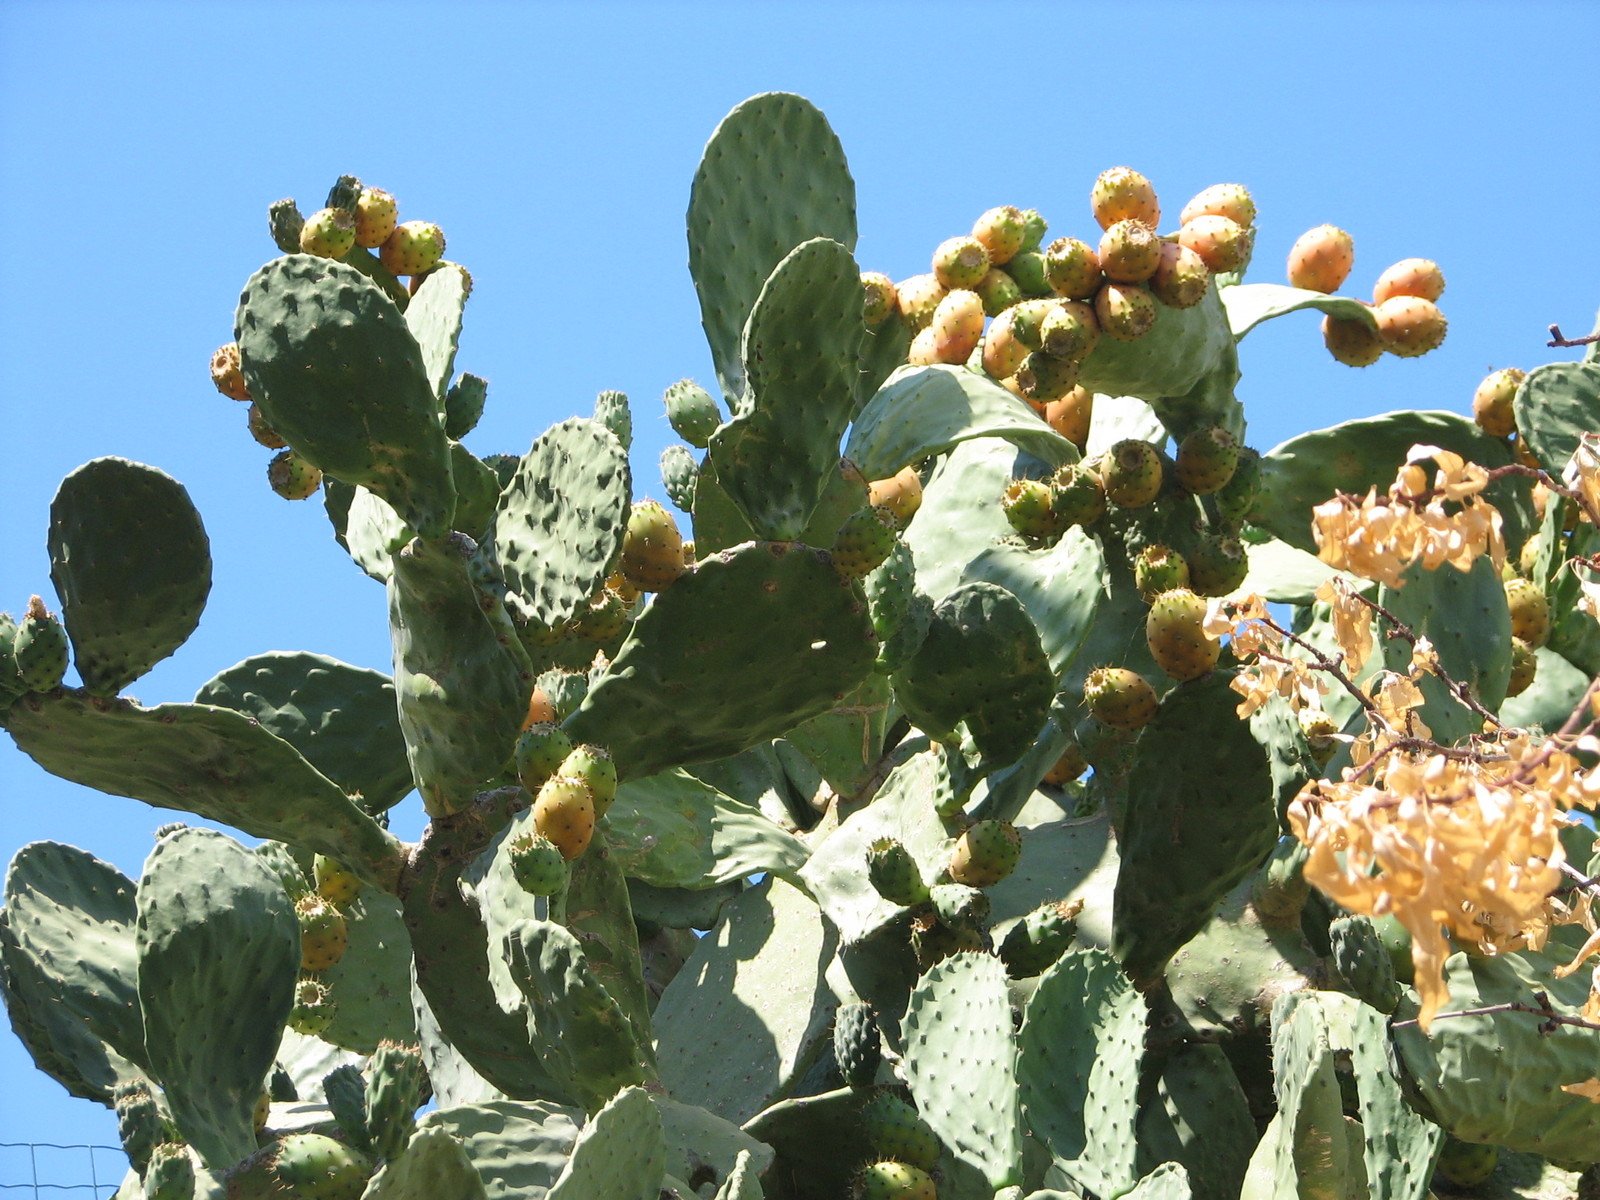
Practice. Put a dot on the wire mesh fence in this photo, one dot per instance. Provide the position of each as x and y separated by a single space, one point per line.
40 1170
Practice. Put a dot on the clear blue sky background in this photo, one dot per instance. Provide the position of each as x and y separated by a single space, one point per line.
140 144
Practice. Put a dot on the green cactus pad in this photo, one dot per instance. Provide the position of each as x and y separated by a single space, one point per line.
844 743
434 319
433 1164
775 455
1183 347
960 1064
772 176
883 352
217 937
795 1129
463 404
1249 304
1079 1051
216 763
924 411
679 472
1193 833
705 1147
132 566
743 1182
477 491
330 360
619 1155
1197 1115
365 525
1305 1147
341 718
1555 406
687 686
981 662
462 693
371 982
518 1148
1169 1181
559 523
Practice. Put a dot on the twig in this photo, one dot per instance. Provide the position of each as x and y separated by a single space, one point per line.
1405 633
1552 1018
1560 342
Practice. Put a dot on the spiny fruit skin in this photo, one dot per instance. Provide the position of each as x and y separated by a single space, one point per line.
227 372
1217 565
1001 231
855 1044
263 433
900 493
998 291
414 248
324 936
1524 667
336 883
593 765
1003 351
917 297
1027 505
1175 632
1530 611
960 262
692 413
376 214
1318 728
1129 252
1231 200
889 1180
1069 330
1182 277
1321 258
1071 415
878 298
959 907
313 1008
1027 321
1027 270
1466 1164
894 875
604 617
1419 277
328 233
957 326
1033 944
1492 406
169 1175
292 477
1206 460
985 853
1351 341
1069 767
1072 268
1044 377
1410 326
40 649
541 711
652 548
1077 496
1131 473
1363 963
1123 194
564 813
1222 244
1126 311
1239 493
139 1122
537 864
864 540
1158 569
1120 698
896 1133
1034 227
312 1166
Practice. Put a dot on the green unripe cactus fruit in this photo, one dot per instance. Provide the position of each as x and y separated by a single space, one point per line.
539 753
1126 311
960 907
679 475
592 766
336 883
877 299
1280 890
1239 493
170 1173
323 933
139 1123
1159 569
262 1113
889 1180
897 1134
1524 667
1181 279
396 1080
414 248
1175 631
1044 377
1034 227
855 1044
1028 270
1027 505
1466 1164
1027 322
328 233
312 1166
864 541
997 291
1530 611
1361 960
537 865
1217 565
960 262
227 372
1120 698
1078 496
40 649
313 1007
1129 252
1001 231
652 548
292 477
346 1093
264 434
376 214
563 811
1207 459
894 875
985 853
692 413
1072 268
1131 473
1069 331
1033 944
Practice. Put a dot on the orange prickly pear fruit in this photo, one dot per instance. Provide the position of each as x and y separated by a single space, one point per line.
1351 341
900 493
324 935
227 372
1231 200
1120 698
1321 258
1410 326
960 262
1223 244
1419 277
1001 231
1123 194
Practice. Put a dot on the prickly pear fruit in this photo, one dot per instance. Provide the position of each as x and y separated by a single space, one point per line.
328 233
1231 200
40 649
1001 231
1129 252
1159 568
985 853
1071 415
1492 402
1206 460
604 617
917 297
893 873
652 548
1123 194
1175 631
960 262
1003 351
1319 730
1524 667
896 1133
878 298
863 541
1321 258
1120 698
313 1007
262 1113
1072 268
263 433
1043 377
1033 944
336 883
1028 271
1131 473
998 291
1077 496
959 906
957 326
169 1175
1069 330
855 1044
1126 311
139 1122
1181 278
1239 493
1466 1164
227 372
1279 890
692 413
541 749
1027 321
537 864
396 1084
1410 326
1530 611
1419 277
890 1180
1362 962
564 812
313 1166
1221 243
323 933
900 493
292 477
1351 341
1069 767
593 766
1034 227
1027 505
414 248
376 214
1217 565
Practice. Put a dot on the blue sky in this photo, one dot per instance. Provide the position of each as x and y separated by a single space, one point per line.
141 143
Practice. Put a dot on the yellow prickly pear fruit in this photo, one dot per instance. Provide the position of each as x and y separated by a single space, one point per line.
917 297
1410 326
985 853
336 883
1043 377
1206 460
1129 252
1158 569
1003 351
1492 402
1071 415
414 248
1182 277
592 766
1069 330
890 1180
1321 258
960 262
1123 194
1175 631
564 813
1002 232
328 233
262 1111
652 548
1125 311
1530 611
323 933
1524 667
1231 200
292 477
1072 268
376 213
998 291
227 372
1120 698
1221 243
1131 473
900 493
878 299
957 326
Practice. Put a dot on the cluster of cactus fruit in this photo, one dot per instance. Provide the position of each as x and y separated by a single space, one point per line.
898 837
